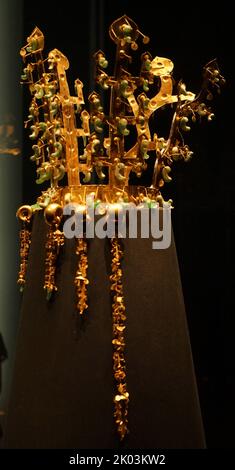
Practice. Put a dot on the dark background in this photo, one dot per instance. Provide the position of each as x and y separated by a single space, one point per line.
202 190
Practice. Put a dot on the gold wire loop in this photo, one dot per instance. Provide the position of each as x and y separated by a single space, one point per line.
24 213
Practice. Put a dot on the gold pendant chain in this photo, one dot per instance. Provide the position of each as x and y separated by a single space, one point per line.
55 239
24 214
121 398
25 241
81 280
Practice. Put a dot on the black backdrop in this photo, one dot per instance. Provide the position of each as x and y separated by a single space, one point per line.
202 190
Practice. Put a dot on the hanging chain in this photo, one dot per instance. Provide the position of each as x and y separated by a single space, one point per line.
54 241
121 398
24 214
81 280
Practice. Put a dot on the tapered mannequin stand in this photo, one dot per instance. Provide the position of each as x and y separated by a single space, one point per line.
3 356
63 385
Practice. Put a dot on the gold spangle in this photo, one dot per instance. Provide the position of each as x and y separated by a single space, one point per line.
118 342
119 375
115 287
119 328
122 397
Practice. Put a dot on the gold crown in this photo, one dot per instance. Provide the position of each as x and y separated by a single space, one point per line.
90 145
69 140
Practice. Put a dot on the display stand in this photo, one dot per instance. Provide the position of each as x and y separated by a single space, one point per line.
63 385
